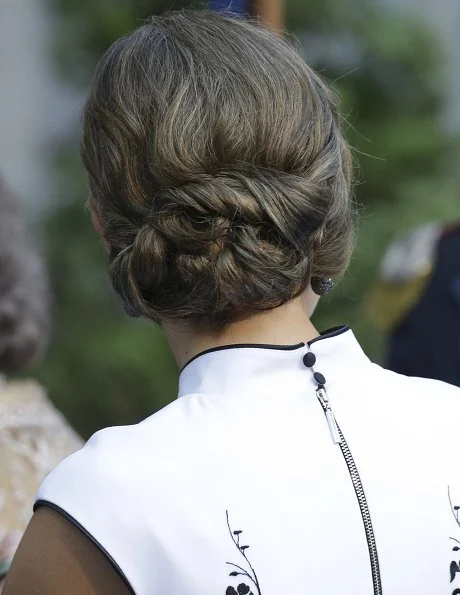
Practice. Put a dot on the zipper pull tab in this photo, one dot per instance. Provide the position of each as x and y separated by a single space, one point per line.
330 417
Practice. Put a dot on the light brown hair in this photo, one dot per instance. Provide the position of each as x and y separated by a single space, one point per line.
217 168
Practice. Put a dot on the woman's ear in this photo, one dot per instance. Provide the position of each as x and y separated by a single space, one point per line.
97 224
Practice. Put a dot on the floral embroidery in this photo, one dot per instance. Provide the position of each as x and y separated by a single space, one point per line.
246 570
455 564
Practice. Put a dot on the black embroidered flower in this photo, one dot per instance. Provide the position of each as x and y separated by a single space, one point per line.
242 589
246 570
454 568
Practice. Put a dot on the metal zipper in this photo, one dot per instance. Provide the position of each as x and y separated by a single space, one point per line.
338 438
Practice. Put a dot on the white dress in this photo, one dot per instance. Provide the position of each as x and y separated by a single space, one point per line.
247 484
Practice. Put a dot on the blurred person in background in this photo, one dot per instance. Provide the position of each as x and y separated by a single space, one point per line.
221 186
270 12
417 303
33 435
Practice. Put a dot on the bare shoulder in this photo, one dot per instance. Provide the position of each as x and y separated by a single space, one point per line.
54 557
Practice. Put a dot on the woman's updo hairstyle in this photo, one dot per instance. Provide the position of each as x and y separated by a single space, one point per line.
217 169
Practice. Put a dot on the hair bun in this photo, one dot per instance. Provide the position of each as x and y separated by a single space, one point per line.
217 167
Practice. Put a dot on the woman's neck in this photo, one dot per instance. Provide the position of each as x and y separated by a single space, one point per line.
286 325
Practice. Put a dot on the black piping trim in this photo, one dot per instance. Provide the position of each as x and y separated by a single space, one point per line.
245 346
333 332
39 503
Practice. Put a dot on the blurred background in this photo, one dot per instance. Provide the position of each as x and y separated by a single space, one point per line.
396 64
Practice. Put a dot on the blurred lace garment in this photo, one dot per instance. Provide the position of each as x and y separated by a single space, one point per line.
34 438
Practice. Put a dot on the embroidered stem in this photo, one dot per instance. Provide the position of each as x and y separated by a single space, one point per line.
243 571
454 509
252 577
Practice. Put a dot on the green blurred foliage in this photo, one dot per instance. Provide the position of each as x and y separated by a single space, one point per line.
386 67
88 27
104 368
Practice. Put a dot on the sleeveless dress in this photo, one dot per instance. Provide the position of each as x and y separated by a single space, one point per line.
302 469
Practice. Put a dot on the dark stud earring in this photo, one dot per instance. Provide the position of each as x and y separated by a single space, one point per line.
322 286
131 310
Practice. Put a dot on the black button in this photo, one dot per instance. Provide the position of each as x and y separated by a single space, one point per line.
309 359
319 378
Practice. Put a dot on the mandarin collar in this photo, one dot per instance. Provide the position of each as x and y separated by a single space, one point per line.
245 368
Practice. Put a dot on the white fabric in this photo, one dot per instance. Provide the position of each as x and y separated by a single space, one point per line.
248 435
